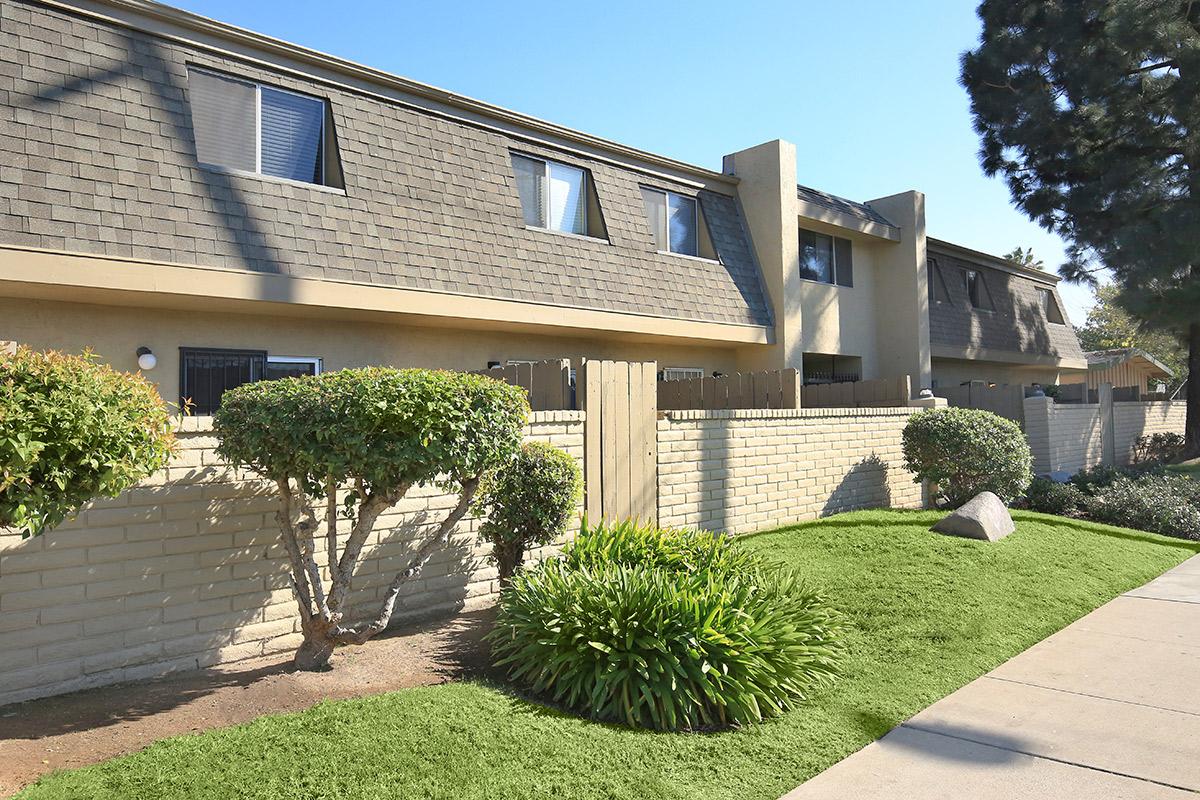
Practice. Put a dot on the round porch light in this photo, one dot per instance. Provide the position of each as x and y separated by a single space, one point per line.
146 359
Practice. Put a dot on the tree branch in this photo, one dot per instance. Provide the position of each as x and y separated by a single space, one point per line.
361 634
287 532
369 509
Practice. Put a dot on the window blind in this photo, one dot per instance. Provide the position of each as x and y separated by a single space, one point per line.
224 113
566 198
292 127
531 178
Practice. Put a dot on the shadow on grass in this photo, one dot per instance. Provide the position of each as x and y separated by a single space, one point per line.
1101 529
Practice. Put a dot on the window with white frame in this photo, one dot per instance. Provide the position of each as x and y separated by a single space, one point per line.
826 259
677 223
557 196
291 367
681 373
249 127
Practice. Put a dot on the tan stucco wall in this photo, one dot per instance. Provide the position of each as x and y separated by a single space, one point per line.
115 333
901 296
952 372
842 320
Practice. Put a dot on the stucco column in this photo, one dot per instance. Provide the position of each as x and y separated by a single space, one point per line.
901 292
767 191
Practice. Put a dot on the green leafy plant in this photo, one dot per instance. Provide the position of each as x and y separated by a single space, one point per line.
1052 497
375 433
528 503
965 451
1091 479
633 544
670 642
1158 448
1166 504
72 429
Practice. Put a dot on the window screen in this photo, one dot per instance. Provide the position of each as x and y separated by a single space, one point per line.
656 215
283 367
224 118
206 374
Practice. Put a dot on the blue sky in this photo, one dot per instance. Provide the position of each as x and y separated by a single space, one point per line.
867 91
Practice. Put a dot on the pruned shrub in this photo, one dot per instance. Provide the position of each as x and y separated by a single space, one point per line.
631 544
528 502
1052 497
965 451
1166 504
1158 448
656 644
376 433
72 429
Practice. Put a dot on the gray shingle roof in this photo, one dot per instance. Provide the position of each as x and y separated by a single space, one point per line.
835 203
96 140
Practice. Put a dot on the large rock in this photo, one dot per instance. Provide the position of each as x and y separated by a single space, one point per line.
982 517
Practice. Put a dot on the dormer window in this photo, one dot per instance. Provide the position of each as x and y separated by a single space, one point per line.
244 126
1050 307
557 197
977 290
677 224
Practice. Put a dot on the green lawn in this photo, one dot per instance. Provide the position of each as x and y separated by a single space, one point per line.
1189 468
931 613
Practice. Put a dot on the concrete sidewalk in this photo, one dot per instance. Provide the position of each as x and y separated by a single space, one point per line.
1107 708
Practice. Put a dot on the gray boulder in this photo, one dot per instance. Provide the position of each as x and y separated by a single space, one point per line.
982 517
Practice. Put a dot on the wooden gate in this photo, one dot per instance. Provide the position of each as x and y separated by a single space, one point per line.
620 399
1007 400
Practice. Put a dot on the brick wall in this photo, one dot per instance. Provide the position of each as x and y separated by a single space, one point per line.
1132 420
186 571
1068 437
743 471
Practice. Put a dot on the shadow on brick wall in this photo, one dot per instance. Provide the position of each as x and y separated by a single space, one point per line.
864 486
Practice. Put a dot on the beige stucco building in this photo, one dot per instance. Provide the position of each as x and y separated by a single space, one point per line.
241 207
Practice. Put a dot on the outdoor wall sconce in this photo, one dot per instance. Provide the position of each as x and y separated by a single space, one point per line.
146 359
493 365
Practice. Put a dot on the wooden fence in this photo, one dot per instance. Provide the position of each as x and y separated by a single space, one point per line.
548 382
620 440
773 389
877 393
1006 400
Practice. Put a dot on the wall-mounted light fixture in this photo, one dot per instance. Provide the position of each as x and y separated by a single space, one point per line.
146 359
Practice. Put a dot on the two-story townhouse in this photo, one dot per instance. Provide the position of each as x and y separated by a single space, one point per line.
241 208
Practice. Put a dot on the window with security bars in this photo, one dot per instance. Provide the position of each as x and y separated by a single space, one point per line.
205 374
250 127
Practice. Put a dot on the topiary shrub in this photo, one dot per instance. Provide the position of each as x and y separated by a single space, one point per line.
528 503
72 429
377 432
1052 497
659 644
965 451
1166 504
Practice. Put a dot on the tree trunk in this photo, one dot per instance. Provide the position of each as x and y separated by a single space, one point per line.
509 557
1191 428
315 651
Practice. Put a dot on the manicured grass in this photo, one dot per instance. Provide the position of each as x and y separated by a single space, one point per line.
1189 468
931 613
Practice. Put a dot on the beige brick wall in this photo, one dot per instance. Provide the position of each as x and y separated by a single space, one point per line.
1132 420
743 471
1068 437
186 571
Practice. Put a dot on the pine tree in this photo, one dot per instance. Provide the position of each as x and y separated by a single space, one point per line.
1090 110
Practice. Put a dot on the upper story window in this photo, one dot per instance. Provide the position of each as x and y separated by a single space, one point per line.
1050 307
977 290
677 224
246 126
938 291
558 197
826 259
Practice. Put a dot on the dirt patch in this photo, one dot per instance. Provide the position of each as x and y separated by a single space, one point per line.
83 728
